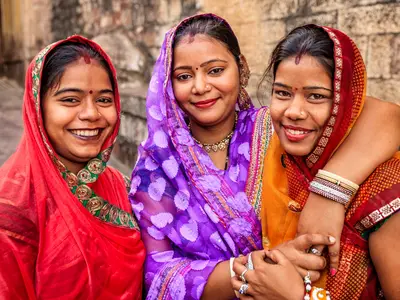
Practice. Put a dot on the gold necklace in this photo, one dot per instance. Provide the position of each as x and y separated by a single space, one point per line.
218 146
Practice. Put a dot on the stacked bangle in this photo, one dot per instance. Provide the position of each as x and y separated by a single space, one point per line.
333 187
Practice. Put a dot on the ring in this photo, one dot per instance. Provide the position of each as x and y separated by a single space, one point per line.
249 264
314 251
242 275
243 289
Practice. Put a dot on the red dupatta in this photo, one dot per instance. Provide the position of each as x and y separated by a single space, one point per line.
65 235
285 184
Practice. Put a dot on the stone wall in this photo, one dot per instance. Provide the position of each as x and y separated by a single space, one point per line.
373 25
132 31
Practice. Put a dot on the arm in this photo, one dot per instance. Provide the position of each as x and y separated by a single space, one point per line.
384 246
377 129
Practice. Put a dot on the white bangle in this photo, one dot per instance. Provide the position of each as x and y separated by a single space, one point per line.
233 274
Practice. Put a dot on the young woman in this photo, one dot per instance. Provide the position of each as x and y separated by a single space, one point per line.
191 187
66 230
318 93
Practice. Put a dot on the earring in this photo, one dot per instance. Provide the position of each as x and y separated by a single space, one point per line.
244 71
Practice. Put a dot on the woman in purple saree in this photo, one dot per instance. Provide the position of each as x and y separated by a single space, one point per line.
196 213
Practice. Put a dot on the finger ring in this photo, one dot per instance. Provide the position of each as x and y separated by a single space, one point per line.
249 264
315 251
242 275
243 289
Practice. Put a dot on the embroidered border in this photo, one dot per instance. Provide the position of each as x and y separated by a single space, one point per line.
378 215
261 137
323 141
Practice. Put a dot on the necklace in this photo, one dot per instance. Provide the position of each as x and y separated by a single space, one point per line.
218 146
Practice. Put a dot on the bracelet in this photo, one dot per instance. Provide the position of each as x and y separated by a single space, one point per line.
314 293
233 274
333 187
338 180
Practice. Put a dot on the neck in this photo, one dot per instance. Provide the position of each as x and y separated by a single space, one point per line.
215 133
73 167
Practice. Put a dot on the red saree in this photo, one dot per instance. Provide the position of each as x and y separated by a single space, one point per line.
286 180
59 237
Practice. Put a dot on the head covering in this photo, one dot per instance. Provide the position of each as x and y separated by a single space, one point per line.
192 214
65 235
286 180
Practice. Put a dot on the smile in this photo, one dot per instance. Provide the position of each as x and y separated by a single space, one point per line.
296 134
86 134
205 103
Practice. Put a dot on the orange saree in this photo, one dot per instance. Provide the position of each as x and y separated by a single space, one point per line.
286 180
63 235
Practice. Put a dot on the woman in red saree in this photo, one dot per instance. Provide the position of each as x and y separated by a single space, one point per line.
312 114
66 230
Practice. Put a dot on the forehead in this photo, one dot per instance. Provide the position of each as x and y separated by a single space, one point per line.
83 73
307 71
199 48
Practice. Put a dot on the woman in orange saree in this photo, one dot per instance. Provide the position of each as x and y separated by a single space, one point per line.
66 228
312 114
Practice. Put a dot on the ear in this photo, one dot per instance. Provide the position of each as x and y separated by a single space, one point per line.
244 71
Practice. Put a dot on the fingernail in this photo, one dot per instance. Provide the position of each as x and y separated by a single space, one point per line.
332 239
332 272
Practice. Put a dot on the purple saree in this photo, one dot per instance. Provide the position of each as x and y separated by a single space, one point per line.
192 214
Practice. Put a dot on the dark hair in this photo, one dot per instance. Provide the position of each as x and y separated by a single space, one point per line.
304 40
63 55
214 28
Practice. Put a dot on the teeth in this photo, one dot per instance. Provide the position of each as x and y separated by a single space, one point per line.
86 132
296 132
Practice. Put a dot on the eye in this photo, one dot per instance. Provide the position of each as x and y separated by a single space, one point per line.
216 71
183 77
317 97
69 100
105 100
282 94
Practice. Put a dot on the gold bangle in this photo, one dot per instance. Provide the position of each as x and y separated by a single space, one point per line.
336 182
339 179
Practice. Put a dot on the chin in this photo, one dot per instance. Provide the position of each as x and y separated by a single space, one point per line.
297 150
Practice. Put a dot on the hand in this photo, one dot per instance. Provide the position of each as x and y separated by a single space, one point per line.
296 252
269 281
324 216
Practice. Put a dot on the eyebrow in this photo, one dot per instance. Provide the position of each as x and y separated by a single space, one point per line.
202 65
304 88
76 90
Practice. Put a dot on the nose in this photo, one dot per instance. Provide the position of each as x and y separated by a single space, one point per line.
200 85
296 108
89 111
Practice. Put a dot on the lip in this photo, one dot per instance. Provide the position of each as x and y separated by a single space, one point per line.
296 137
87 138
205 103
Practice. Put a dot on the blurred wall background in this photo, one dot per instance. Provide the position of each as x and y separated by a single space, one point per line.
132 31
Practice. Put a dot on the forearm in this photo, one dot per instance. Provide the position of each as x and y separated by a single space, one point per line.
384 246
373 140
219 283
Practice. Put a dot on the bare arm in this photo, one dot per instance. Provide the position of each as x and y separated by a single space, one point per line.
219 283
384 246
373 140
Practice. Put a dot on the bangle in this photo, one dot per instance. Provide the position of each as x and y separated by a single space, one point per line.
336 179
233 273
333 187
314 293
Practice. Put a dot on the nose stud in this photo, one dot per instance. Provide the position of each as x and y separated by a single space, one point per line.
208 87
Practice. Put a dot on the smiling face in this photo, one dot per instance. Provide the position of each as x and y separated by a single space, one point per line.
301 103
79 114
205 80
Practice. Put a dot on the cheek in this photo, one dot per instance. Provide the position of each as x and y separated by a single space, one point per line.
277 109
322 114
181 92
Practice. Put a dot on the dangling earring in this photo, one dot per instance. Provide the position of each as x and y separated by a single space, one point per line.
244 73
